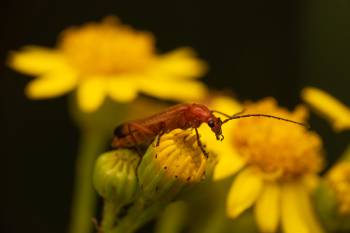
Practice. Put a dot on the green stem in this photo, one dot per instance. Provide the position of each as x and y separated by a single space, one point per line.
84 198
110 212
137 216
173 218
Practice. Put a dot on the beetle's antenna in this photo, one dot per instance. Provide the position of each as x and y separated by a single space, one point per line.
264 115
226 115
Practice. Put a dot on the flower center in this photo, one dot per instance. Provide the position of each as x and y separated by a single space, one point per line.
339 178
178 153
107 48
279 149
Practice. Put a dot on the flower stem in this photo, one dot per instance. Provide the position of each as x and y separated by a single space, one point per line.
110 211
84 198
139 214
173 218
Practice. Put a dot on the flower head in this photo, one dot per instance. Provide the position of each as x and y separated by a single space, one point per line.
277 148
339 179
278 163
109 59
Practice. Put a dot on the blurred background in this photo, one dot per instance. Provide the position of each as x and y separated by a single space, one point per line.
254 48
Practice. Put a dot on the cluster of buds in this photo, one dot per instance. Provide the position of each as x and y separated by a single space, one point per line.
333 198
140 187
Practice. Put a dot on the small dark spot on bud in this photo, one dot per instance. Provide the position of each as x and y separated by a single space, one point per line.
188 178
156 156
176 177
165 167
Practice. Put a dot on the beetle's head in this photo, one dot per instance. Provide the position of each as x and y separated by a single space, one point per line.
215 125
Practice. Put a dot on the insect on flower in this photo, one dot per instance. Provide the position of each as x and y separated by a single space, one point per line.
183 116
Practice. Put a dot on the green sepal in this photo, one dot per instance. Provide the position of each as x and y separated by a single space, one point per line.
153 180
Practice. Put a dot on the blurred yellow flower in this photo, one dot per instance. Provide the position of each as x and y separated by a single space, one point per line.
339 179
329 107
109 59
277 164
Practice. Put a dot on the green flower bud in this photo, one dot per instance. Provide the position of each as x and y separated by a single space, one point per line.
115 176
175 163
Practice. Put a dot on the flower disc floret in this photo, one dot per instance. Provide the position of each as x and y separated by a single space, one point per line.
277 148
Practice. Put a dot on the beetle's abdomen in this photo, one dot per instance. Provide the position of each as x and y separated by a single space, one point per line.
123 138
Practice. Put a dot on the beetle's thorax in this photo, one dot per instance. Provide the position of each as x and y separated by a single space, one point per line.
197 114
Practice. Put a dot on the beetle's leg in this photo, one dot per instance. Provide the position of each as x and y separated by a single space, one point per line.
162 131
134 140
200 144
159 136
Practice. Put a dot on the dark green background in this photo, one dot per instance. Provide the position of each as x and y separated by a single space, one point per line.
255 49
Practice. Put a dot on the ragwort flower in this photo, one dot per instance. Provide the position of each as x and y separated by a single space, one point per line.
277 164
339 179
109 59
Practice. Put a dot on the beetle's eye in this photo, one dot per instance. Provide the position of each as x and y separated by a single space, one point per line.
211 123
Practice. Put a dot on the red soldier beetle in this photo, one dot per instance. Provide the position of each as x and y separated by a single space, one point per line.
184 116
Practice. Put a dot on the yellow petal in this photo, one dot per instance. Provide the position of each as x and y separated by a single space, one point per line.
173 90
91 94
308 210
36 60
228 165
297 213
226 105
243 192
267 208
51 85
329 107
180 63
122 89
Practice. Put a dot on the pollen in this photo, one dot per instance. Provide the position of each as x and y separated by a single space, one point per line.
107 48
280 150
180 156
339 179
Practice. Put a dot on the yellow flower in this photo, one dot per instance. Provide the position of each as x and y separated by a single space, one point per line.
109 59
329 107
276 161
339 179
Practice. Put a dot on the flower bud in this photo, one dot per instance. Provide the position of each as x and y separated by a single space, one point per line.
115 176
333 198
176 162
339 180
